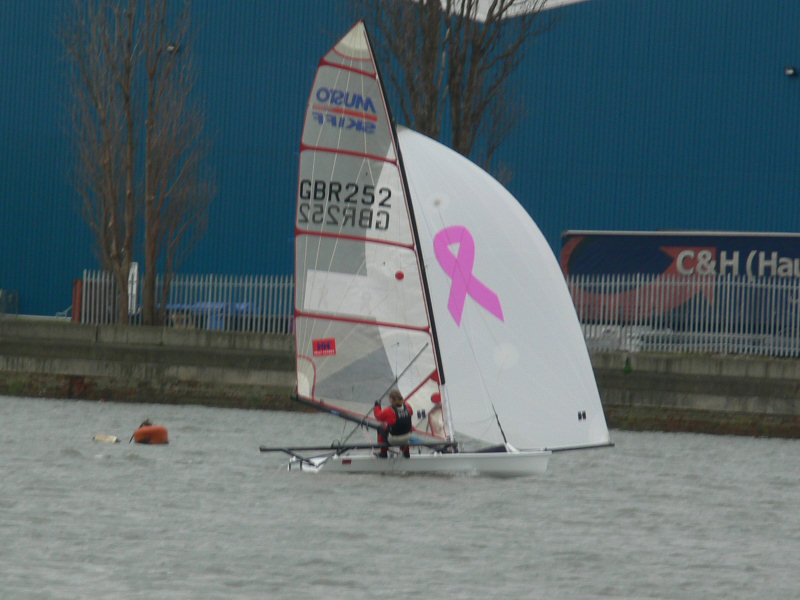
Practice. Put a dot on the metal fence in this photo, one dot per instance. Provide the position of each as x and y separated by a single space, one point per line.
731 315
262 304
735 315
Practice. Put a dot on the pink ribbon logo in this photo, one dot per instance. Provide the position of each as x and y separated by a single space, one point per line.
459 268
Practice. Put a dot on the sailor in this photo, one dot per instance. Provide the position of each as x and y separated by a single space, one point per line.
396 419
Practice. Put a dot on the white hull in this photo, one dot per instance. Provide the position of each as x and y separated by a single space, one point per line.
498 464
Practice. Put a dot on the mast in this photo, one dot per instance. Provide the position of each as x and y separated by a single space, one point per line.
414 229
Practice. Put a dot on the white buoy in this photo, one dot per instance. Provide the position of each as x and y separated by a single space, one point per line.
108 439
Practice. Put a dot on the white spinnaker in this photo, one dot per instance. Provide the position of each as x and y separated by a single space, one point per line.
531 367
361 321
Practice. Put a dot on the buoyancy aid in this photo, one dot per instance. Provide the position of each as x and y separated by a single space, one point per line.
402 423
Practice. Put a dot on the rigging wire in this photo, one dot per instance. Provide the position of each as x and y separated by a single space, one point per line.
361 423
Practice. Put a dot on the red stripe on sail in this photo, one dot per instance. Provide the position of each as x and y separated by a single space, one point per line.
345 111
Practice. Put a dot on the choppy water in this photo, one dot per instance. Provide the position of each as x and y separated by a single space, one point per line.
658 516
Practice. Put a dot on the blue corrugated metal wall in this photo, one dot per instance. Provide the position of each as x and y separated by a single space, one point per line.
258 62
640 116
667 114
42 238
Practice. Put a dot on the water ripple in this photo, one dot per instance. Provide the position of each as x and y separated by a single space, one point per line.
658 516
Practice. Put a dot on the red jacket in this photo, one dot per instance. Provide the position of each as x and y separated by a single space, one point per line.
387 415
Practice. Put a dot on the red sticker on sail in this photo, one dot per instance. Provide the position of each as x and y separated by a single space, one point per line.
326 347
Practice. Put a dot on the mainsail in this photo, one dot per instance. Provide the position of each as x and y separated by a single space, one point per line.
362 321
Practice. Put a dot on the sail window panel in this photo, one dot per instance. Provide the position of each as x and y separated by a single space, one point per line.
370 282
353 196
351 365
346 113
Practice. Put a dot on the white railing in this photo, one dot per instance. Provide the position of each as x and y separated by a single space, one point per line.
736 315
732 315
262 304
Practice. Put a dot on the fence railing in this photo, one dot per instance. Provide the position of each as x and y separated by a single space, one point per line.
736 315
732 315
262 304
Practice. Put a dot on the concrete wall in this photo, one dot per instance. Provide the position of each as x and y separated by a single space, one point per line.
700 393
666 392
54 358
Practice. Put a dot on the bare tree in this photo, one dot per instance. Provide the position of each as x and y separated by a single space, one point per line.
131 84
412 53
450 58
101 45
177 189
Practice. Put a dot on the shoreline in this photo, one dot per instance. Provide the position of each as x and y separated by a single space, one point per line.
54 358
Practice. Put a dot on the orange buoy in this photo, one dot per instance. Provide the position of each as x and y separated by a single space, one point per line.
151 434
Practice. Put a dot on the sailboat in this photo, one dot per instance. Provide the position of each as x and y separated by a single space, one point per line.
417 271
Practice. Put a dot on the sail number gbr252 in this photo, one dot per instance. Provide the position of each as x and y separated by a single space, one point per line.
348 204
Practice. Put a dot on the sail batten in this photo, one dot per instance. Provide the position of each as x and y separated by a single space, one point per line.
372 240
331 317
348 153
